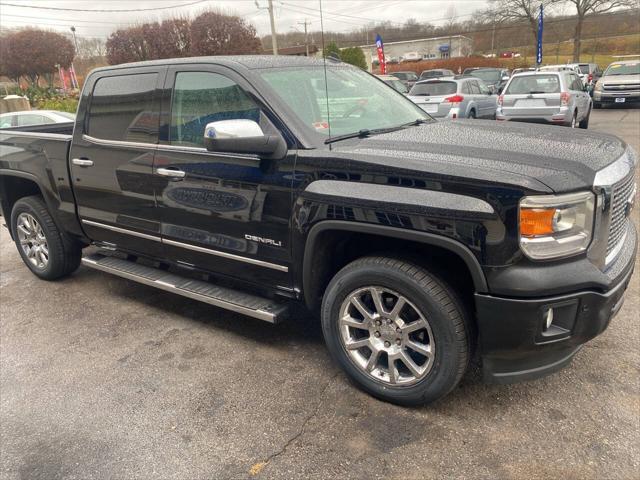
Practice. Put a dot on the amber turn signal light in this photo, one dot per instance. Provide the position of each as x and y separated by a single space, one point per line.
536 221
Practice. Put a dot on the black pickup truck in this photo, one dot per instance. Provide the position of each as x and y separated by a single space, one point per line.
251 183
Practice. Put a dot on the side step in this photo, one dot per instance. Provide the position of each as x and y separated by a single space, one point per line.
234 300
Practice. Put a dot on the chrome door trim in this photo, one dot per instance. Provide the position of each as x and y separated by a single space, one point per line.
188 246
187 149
119 143
230 256
122 230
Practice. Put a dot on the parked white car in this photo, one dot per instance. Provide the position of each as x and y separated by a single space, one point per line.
34 117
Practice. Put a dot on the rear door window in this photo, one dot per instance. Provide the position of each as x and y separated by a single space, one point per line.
200 98
475 88
575 82
532 84
434 88
123 108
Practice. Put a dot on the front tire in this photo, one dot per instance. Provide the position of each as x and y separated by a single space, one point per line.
396 329
48 252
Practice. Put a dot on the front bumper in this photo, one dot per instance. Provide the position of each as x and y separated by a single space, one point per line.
601 96
516 346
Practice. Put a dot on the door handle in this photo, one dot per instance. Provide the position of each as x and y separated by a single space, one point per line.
82 162
170 172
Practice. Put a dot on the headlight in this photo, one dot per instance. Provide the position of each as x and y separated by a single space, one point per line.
553 226
598 86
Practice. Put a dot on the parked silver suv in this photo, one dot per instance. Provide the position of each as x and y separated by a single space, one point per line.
457 97
557 97
620 84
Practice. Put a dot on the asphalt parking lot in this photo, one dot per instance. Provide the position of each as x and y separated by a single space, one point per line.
104 378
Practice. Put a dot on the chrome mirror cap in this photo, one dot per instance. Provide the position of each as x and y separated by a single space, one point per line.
238 128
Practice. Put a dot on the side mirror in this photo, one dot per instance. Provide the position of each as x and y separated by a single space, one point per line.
241 136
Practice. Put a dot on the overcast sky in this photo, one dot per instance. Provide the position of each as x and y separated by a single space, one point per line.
339 15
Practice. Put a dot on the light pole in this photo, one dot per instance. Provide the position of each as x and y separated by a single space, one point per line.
306 35
75 40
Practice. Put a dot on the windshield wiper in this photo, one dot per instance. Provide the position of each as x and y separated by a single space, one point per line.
366 132
532 92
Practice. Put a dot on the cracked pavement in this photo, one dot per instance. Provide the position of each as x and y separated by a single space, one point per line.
104 378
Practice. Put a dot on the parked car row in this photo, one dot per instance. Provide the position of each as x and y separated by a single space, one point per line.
555 94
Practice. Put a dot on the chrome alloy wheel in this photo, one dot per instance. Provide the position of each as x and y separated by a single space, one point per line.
32 240
386 336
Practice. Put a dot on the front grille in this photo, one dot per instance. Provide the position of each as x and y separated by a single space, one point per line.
621 87
620 194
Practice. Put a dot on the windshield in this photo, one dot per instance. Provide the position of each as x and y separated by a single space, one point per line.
527 84
489 76
434 88
584 68
623 69
357 100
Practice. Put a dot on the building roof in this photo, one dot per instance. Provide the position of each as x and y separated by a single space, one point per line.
418 40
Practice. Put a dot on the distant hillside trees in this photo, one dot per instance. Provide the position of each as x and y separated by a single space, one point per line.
210 33
34 54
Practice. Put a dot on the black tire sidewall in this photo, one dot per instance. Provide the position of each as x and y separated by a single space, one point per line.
443 375
54 243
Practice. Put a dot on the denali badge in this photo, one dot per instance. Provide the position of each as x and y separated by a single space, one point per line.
268 241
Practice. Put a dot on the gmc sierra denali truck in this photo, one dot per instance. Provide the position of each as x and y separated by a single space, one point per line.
250 183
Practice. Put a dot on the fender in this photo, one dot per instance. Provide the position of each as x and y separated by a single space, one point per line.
49 198
477 275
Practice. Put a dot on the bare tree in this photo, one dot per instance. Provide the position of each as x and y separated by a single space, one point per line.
586 7
518 11
91 47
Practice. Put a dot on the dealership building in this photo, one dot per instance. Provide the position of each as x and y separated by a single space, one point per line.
421 49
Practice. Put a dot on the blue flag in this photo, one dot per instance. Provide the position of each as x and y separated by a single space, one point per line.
540 27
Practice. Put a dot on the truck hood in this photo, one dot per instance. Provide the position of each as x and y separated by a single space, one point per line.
529 155
621 79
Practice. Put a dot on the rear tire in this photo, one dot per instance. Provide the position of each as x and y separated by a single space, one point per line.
574 120
472 114
48 252
426 339
584 123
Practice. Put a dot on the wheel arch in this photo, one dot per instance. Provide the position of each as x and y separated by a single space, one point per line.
15 185
325 236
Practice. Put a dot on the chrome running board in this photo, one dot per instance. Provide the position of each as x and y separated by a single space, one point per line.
229 299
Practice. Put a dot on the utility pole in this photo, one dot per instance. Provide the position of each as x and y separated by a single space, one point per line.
493 36
274 40
306 35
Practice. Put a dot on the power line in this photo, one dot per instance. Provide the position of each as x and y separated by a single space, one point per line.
103 10
64 20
